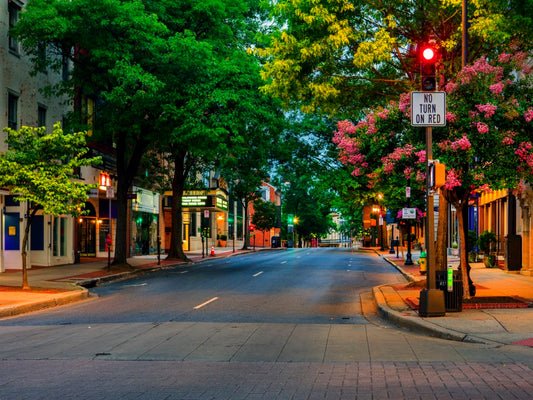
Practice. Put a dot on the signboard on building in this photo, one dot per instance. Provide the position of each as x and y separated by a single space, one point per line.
428 108
194 201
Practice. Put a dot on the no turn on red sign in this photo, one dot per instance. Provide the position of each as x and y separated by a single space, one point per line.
428 108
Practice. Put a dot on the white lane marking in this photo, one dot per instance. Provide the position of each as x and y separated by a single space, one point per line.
284 262
137 284
183 272
259 273
206 303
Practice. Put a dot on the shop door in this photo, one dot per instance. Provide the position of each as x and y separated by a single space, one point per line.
87 237
186 243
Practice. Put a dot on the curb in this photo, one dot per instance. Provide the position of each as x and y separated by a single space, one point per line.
58 299
418 325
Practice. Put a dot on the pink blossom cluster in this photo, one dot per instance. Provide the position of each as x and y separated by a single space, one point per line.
497 88
384 113
405 103
452 179
480 66
371 118
451 87
460 144
488 109
390 160
524 154
479 176
450 117
420 176
507 141
482 127
407 172
349 152
520 58
421 156
528 115
345 127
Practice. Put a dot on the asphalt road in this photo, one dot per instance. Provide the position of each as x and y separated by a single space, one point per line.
269 325
293 286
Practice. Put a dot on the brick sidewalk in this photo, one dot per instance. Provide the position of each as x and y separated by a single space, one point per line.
94 379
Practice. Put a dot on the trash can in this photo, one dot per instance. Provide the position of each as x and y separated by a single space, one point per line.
453 301
275 241
422 262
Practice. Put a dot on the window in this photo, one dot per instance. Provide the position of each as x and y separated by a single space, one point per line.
13 10
41 115
12 110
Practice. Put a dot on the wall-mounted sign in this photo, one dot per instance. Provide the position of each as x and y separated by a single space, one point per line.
12 231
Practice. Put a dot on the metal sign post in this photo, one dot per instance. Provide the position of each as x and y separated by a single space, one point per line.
431 299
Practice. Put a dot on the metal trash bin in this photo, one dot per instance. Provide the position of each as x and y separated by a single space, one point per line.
275 242
453 301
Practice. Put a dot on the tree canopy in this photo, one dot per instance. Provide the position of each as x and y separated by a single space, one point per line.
343 56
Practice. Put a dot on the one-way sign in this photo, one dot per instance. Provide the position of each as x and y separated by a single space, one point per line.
428 108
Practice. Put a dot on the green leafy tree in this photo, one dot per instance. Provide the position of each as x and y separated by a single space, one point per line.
265 215
116 49
39 168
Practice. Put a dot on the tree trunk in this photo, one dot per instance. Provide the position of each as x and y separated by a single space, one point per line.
121 241
126 171
178 185
31 213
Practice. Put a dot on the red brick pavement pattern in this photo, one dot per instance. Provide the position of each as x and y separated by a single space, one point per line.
99 379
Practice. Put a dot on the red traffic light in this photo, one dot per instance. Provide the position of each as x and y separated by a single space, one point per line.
428 54
428 59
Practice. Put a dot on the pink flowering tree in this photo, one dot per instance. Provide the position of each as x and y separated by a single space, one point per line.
486 145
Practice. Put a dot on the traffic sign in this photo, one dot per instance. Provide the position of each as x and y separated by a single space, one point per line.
428 108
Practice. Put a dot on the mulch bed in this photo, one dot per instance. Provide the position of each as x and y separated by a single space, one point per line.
483 303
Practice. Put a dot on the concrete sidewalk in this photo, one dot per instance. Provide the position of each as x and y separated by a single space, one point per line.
59 285
506 316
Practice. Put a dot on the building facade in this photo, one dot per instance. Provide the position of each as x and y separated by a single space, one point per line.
22 103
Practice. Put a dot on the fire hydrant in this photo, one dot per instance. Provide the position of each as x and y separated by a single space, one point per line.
422 261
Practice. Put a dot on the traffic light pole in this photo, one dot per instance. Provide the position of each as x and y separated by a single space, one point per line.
431 298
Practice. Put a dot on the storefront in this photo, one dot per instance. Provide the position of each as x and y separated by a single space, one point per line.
49 240
204 215
144 227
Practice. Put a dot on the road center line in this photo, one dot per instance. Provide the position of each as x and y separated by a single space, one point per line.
259 273
206 303
284 262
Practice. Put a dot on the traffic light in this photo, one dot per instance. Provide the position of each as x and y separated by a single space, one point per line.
427 68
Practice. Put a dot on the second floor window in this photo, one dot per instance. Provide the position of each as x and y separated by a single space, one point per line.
13 10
